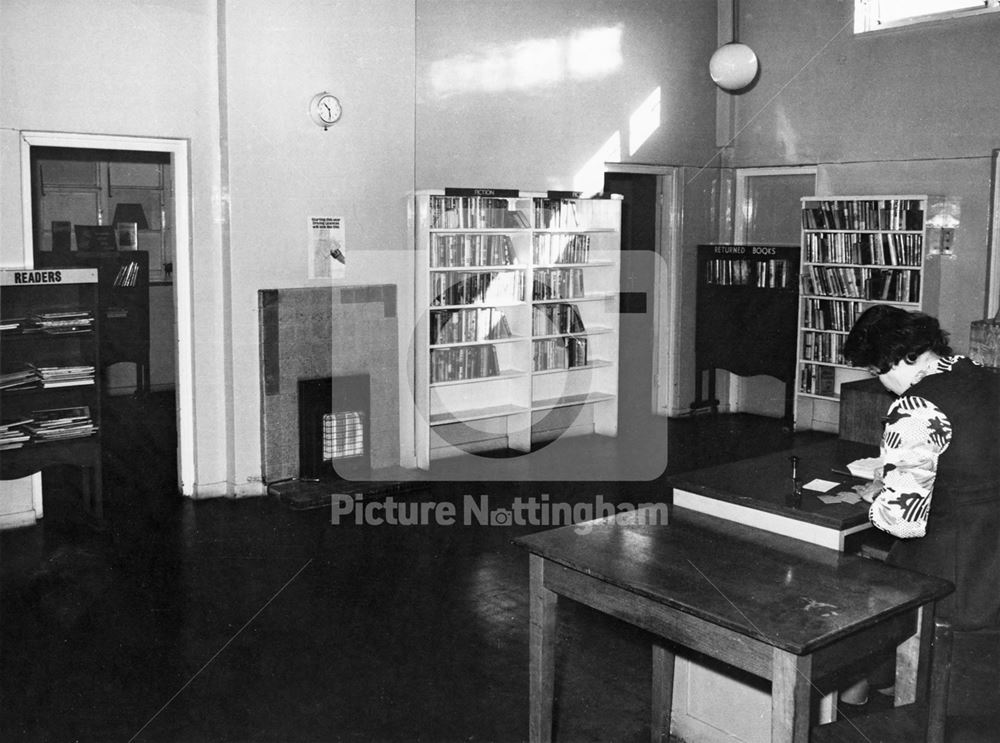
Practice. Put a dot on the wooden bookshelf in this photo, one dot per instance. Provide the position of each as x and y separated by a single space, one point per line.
856 251
49 375
746 308
519 300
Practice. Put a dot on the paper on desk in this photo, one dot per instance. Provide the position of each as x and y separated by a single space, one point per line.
820 485
844 496
867 467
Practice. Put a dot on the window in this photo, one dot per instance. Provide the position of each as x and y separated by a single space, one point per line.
873 15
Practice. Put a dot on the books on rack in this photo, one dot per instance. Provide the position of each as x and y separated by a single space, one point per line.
128 274
560 248
476 287
567 352
476 212
455 251
556 319
18 379
463 362
63 321
558 283
13 434
60 423
64 376
462 326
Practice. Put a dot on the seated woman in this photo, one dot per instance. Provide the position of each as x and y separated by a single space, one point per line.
940 487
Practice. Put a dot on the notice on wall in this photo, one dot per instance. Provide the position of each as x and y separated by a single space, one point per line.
327 248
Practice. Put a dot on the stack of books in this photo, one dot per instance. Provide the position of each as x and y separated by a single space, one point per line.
64 376
56 424
18 379
12 433
63 321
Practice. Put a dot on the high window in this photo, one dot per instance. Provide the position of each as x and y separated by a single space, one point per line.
873 15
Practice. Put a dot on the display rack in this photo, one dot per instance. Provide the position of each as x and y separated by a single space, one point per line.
518 333
856 251
49 380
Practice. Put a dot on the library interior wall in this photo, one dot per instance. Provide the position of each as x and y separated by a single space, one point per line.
909 111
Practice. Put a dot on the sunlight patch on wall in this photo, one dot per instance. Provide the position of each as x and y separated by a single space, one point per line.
590 178
644 121
530 65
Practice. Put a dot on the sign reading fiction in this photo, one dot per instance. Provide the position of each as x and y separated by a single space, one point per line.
18 277
742 250
507 193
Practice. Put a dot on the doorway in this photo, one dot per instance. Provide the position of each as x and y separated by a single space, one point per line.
176 247
637 304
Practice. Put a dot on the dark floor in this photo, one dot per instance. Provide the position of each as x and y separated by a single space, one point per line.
246 620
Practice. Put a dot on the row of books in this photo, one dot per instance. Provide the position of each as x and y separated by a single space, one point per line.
862 283
553 319
472 250
823 314
818 380
828 347
462 326
771 273
556 214
557 248
128 274
463 362
40 426
559 353
880 249
47 377
54 322
558 283
478 287
875 214
476 212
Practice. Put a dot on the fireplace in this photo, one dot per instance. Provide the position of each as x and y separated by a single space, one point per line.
337 346
334 431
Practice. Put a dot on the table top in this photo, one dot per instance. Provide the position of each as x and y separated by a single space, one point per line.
764 482
785 592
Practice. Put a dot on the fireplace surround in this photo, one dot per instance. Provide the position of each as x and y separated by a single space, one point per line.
328 333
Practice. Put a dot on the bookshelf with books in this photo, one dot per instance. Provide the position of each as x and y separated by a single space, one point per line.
519 309
49 380
745 322
123 297
856 251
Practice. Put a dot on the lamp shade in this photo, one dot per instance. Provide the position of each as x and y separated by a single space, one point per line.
131 213
733 66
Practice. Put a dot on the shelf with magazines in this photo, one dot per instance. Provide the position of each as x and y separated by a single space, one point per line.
49 380
856 251
520 298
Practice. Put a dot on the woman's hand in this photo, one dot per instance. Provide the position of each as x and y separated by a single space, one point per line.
869 490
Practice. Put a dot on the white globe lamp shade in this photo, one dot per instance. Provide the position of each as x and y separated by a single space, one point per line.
733 66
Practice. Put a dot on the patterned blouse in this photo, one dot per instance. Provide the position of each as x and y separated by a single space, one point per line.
916 433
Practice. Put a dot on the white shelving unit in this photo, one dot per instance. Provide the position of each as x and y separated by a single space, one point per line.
517 322
856 251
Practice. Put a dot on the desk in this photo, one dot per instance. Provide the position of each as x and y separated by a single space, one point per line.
755 491
776 607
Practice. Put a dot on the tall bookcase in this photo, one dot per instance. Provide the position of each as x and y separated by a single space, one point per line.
856 251
49 385
517 330
745 321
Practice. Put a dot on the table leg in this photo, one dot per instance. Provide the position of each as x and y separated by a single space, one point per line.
913 660
791 684
541 643
663 692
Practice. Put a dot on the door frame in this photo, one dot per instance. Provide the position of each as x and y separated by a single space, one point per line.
741 218
179 150
666 281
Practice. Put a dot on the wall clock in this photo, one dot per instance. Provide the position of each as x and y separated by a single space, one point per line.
325 109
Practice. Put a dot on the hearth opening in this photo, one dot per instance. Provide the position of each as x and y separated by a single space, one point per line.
335 428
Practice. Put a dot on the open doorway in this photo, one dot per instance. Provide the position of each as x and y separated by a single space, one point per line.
129 171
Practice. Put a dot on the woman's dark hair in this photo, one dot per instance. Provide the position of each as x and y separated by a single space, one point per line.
884 335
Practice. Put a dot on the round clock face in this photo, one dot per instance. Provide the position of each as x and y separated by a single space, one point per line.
325 109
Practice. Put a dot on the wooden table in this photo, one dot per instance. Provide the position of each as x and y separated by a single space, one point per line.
758 492
779 608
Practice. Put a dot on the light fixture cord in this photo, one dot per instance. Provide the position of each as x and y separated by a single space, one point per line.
736 21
